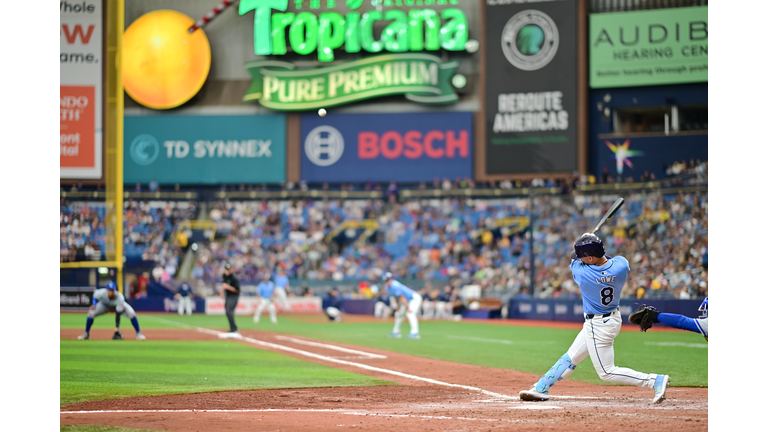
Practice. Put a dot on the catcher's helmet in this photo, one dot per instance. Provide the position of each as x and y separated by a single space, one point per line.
588 245
704 308
111 285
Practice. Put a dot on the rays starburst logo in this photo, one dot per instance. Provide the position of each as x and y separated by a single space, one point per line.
622 153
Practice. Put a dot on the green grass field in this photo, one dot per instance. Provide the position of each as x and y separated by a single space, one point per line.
682 355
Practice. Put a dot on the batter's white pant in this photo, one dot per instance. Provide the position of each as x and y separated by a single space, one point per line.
282 298
596 341
270 306
185 305
408 311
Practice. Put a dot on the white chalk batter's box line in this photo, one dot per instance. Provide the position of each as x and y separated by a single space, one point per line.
361 365
267 410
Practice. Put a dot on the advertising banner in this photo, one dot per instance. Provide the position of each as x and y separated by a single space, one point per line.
422 77
530 100
573 310
205 149
164 304
80 94
248 305
632 157
652 47
382 147
75 298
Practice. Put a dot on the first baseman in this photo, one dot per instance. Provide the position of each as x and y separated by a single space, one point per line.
409 304
106 300
600 279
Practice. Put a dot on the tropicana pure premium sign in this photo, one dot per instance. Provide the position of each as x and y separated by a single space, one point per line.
416 29
410 27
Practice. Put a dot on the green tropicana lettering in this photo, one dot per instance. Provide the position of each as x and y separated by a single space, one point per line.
412 30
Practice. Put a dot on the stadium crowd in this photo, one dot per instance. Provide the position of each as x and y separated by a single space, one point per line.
450 242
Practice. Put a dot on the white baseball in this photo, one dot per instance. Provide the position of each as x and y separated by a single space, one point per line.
321 112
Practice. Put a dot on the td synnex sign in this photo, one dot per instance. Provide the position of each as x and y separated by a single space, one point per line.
205 149
381 147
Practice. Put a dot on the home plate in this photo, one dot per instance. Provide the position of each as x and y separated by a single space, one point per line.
533 407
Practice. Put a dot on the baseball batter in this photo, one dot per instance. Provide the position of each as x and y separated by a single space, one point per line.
105 300
408 305
646 316
266 290
601 279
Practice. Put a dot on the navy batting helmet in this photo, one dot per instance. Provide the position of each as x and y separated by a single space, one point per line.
588 245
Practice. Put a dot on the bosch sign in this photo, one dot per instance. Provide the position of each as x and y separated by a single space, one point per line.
384 147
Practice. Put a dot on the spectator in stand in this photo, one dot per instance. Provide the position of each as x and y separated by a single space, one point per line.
153 186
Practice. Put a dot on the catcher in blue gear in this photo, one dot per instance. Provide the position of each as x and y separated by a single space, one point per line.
647 316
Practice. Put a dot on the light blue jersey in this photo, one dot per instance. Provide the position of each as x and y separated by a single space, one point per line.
601 285
396 289
266 289
281 281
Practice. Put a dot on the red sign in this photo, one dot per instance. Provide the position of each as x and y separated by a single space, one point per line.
77 126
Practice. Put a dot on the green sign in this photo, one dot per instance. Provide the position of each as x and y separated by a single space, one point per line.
185 149
663 46
421 77
412 30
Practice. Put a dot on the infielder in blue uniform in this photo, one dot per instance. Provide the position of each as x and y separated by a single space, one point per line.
601 279
105 300
646 316
408 305
266 290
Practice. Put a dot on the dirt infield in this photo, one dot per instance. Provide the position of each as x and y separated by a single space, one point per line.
427 400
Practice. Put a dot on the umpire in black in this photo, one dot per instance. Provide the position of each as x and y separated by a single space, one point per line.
230 290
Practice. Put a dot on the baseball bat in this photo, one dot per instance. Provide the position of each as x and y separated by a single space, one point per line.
609 214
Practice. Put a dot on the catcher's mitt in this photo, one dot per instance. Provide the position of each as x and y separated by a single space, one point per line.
645 317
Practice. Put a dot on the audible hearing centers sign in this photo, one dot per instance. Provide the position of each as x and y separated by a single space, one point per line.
205 149
80 91
530 108
382 147
664 46
421 77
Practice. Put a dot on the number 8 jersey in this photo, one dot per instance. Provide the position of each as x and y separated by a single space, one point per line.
601 285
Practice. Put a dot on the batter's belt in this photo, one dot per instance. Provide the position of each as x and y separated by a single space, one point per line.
590 316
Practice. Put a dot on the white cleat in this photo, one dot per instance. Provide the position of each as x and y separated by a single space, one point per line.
84 336
660 388
140 336
533 395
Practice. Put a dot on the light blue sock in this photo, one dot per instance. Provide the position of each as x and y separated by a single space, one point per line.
554 373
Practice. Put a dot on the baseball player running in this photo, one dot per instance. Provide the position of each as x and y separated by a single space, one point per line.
184 296
408 305
600 279
647 316
106 300
266 290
